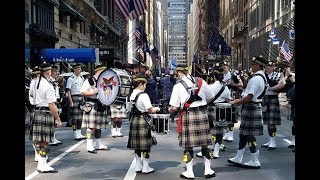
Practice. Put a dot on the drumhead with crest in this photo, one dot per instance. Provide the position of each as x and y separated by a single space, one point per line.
109 85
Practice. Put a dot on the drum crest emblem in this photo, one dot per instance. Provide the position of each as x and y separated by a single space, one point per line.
107 85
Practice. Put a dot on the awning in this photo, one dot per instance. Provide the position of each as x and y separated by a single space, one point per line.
67 9
68 55
95 28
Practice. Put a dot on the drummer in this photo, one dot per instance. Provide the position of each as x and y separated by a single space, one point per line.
95 115
221 94
251 119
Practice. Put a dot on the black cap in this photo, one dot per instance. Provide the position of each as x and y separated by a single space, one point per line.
77 66
271 63
54 68
45 66
99 67
36 70
259 60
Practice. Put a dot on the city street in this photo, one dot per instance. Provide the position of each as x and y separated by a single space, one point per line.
74 162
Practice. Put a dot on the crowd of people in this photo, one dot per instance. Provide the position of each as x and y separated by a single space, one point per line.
193 99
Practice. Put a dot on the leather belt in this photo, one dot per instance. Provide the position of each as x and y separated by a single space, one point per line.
42 108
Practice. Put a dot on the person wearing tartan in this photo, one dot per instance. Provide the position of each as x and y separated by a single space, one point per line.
95 114
117 113
251 115
190 96
44 117
219 97
140 137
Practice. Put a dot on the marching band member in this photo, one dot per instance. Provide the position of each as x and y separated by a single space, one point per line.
117 113
35 76
73 86
95 115
271 105
45 115
219 97
140 138
194 119
235 84
52 80
251 115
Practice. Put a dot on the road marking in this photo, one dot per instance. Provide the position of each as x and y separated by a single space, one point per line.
32 175
280 135
287 141
131 174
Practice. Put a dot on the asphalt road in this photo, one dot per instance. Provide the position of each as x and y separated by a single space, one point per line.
74 162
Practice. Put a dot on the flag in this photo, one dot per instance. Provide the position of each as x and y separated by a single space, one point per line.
284 49
145 43
173 64
226 50
138 33
131 9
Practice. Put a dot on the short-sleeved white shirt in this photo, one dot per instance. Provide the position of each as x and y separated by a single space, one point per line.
216 87
44 94
31 88
143 102
74 83
255 86
56 88
86 87
180 95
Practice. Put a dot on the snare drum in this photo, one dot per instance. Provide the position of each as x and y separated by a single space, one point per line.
225 113
161 122
113 86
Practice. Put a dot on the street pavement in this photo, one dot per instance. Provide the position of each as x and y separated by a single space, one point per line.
74 162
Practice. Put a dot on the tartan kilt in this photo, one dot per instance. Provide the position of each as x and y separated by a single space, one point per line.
195 130
42 126
215 129
271 111
76 114
94 119
251 120
116 112
139 134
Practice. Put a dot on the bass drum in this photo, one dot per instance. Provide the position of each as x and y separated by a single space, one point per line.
113 86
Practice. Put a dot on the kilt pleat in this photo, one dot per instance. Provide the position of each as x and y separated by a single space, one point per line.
139 134
272 114
118 111
42 127
195 129
95 119
76 114
251 120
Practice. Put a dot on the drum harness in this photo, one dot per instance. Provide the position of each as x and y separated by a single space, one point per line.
193 97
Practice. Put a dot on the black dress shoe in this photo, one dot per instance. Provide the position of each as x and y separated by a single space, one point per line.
93 152
52 171
210 175
182 176
291 146
271 148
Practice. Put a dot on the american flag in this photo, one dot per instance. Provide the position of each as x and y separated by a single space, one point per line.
131 9
138 32
284 49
